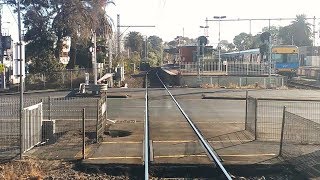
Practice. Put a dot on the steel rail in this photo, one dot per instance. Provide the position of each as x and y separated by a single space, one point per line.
205 144
146 135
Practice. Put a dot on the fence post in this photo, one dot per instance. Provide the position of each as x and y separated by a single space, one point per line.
246 115
282 129
49 108
255 118
71 80
83 134
226 68
22 114
97 123
240 83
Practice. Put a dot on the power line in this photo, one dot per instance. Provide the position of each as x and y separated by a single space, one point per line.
268 19
257 19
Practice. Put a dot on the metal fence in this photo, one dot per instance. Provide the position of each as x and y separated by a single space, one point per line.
251 116
31 127
66 138
9 129
270 114
228 68
63 132
233 81
298 133
66 79
61 108
300 143
61 126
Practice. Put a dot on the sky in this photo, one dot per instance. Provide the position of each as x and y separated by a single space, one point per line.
9 22
184 17
173 18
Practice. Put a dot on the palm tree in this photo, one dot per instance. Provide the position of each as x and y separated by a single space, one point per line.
301 31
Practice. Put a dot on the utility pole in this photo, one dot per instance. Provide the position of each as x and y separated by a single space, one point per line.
269 56
94 56
110 56
21 77
118 36
2 72
314 31
219 47
146 50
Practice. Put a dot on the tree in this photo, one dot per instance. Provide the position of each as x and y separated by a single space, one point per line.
49 21
134 41
155 50
301 31
274 31
39 37
244 41
179 40
286 35
79 19
224 45
156 43
44 62
297 33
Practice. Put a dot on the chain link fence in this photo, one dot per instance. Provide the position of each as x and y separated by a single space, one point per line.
251 116
270 114
300 143
66 79
298 133
65 137
9 129
62 122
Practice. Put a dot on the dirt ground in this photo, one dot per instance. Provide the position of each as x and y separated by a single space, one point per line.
36 169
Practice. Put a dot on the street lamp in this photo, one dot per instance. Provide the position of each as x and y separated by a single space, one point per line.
219 48
204 31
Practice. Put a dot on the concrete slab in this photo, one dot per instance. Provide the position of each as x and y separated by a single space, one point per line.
174 142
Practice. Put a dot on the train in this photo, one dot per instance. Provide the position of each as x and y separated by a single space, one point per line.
284 57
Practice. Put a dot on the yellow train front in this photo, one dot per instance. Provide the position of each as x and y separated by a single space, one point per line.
286 59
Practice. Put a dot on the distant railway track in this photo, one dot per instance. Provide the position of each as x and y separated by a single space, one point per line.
301 85
212 155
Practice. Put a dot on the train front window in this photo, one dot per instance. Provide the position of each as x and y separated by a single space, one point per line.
292 58
285 58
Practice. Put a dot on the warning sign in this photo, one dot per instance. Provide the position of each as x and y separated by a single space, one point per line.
1 68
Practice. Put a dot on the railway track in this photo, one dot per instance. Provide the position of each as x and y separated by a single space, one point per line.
147 146
301 85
